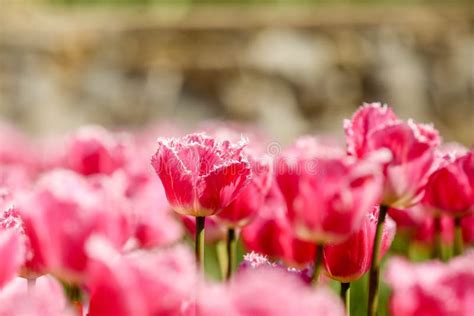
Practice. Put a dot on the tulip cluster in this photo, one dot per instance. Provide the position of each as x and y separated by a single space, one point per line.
104 223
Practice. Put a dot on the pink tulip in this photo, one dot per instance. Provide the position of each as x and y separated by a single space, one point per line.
271 233
467 224
405 149
200 175
92 150
431 288
12 252
450 188
326 192
425 231
46 298
15 177
140 283
153 220
251 199
350 260
16 149
61 213
215 301
419 224
268 291
408 219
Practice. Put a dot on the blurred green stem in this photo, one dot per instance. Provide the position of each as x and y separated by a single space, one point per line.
346 296
222 257
437 242
318 261
231 251
199 241
374 273
73 292
458 242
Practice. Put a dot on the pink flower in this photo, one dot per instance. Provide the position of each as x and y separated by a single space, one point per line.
92 150
271 234
450 188
16 149
15 177
46 298
431 288
350 260
268 291
251 199
256 261
12 252
61 213
467 224
140 283
200 175
154 223
405 149
326 192
425 231
369 117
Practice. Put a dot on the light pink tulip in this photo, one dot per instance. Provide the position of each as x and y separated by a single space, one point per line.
140 283
267 291
61 213
45 298
431 288
12 252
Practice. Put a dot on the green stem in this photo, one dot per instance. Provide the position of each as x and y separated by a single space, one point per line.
231 251
458 242
199 242
73 292
374 273
346 296
222 258
437 243
318 261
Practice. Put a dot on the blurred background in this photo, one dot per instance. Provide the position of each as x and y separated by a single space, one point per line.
292 67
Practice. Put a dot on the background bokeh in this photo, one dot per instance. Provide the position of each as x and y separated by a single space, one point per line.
291 66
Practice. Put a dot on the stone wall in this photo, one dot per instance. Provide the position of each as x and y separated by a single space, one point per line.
290 70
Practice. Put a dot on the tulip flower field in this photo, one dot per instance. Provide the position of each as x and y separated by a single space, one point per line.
223 220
